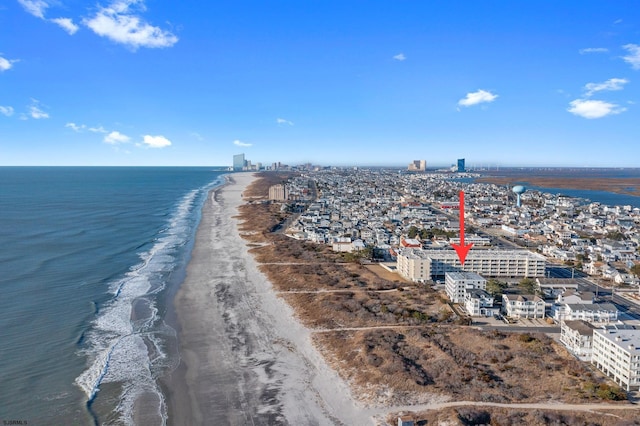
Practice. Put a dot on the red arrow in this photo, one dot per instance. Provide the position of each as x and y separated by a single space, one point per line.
461 248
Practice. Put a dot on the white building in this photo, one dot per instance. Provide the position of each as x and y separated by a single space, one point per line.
617 354
590 312
479 303
457 283
522 306
421 265
577 336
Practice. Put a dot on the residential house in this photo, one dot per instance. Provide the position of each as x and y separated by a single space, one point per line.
522 306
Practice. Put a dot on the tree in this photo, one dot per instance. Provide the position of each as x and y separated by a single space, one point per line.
496 288
527 285
413 231
635 269
615 235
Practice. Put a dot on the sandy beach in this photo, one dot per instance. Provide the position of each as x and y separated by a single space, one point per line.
244 357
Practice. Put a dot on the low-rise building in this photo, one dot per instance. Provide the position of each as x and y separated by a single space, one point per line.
479 303
590 312
577 336
617 354
522 306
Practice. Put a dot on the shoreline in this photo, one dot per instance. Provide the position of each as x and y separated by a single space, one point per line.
245 358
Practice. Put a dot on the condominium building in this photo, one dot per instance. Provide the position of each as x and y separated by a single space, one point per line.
421 265
278 192
617 354
522 306
577 336
590 312
456 284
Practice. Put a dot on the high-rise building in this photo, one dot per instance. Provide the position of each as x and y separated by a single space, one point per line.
417 166
460 165
238 162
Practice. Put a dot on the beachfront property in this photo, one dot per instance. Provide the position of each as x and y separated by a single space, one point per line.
522 306
617 354
479 303
422 265
456 284
278 192
577 337
590 312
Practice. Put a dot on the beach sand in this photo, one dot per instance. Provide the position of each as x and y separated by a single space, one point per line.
245 359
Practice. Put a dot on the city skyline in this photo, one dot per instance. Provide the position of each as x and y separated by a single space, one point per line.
140 83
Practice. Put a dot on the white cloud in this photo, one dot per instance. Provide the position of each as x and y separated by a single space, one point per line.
35 111
67 25
282 121
116 137
75 127
82 127
6 64
98 129
35 7
591 109
593 50
610 85
633 58
240 143
400 57
6 110
117 23
156 141
474 98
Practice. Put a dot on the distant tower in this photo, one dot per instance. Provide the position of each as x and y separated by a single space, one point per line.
460 165
239 162
518 190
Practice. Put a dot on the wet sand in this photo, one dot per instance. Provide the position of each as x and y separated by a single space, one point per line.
244 357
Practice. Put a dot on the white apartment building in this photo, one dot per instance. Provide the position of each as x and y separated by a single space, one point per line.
479 303
577 336
420 265
522 306
617 354
590 312
456 284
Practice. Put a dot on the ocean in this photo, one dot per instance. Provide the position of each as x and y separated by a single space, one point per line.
91 258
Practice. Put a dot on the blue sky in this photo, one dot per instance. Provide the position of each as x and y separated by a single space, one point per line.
168 83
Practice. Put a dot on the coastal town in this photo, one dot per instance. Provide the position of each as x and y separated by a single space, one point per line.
551 264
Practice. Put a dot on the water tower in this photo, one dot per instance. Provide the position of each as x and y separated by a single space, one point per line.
518 190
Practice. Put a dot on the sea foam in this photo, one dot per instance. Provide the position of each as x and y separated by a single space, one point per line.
118 348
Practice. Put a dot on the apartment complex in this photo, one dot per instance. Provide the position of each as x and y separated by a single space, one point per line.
421 265
278 192
617 354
